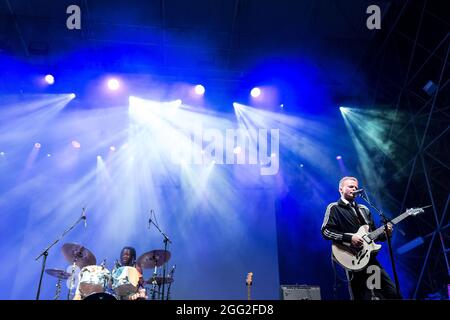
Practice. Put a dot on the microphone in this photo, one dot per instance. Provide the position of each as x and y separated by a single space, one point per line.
83 216
358 192
150 219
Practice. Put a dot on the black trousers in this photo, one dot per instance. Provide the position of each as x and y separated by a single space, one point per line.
360 290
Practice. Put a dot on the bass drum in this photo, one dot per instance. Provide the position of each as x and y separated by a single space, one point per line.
100 296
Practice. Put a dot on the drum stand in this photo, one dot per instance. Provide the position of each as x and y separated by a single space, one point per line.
58 289
46 250
154 284
72 280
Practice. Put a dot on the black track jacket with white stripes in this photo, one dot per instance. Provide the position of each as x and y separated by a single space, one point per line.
341 222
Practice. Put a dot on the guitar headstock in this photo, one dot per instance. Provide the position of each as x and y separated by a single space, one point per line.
249 279
414 211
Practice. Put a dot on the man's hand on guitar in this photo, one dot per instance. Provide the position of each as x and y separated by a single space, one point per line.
357 241
390 228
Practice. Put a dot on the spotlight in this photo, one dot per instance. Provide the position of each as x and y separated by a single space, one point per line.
343 109
301 165
37 145
49 79
113 84
256 92
282 106
2 153
48 155
72 96
199 89
99 157
112 148
273 155
338 157
237 150
76 144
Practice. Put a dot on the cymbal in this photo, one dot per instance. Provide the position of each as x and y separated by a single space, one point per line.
60 274
159 280
154 258
76 253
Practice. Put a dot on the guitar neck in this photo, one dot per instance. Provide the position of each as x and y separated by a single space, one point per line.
375 234
248 291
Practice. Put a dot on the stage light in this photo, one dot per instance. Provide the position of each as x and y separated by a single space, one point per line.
76 144
113 84
112 148
99 158
273 155
256 92
48 155
301 165
343 109
37 145
199 89
49 79
175 103
410 245
282 106
338 157
72 96
2 153
237 150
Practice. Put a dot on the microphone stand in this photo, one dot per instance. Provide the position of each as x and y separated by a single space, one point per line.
45 252
391 253
166 241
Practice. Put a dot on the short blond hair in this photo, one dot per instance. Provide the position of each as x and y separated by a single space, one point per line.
346 178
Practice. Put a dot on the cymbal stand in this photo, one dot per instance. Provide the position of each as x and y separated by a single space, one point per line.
153 283
58 289
72 280
46 250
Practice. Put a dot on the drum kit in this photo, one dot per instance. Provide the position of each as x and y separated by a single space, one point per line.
96 282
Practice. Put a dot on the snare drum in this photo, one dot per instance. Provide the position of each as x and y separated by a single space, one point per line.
125 280
94 279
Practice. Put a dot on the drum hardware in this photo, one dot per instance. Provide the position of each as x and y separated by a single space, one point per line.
164 253
60 275
72 280
46 251
78 254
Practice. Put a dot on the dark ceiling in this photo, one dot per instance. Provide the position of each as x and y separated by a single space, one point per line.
220 39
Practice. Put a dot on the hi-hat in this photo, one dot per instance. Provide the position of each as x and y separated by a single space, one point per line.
159 280
57 273
154 258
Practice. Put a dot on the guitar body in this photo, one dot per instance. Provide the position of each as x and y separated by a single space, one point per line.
355 259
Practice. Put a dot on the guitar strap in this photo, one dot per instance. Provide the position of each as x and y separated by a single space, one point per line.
359 215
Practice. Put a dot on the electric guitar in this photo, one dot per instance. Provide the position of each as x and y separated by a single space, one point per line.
356 259
249 282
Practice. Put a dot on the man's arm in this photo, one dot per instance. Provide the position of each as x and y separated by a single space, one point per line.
330 227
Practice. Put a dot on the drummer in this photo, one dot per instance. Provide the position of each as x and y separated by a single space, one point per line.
128 259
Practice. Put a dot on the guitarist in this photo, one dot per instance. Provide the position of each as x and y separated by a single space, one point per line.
342 220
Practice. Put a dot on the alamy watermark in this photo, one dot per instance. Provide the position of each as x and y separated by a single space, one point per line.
232 147
73 22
